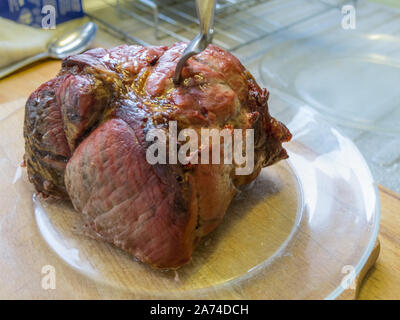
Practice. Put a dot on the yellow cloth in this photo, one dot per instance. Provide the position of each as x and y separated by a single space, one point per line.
19 41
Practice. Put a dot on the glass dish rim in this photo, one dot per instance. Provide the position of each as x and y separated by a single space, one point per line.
367 252
336 292
335 119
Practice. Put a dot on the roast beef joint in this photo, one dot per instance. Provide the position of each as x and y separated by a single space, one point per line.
86 140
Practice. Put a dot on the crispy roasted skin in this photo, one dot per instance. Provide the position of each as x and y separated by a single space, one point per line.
85 140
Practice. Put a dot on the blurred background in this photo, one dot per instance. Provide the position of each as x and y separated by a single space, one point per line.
338 59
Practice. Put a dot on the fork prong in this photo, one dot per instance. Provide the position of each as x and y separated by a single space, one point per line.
197 45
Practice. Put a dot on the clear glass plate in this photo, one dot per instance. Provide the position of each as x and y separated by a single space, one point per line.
349 76
292 234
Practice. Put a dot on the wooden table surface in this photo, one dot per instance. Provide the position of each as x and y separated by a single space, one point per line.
381 282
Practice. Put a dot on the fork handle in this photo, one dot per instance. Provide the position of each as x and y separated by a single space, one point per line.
205 12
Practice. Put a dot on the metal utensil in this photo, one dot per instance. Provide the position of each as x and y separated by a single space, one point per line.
205 13
61 47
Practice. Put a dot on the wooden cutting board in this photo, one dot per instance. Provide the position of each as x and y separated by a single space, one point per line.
381 282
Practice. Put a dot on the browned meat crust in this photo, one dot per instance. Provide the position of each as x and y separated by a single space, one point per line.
85 140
